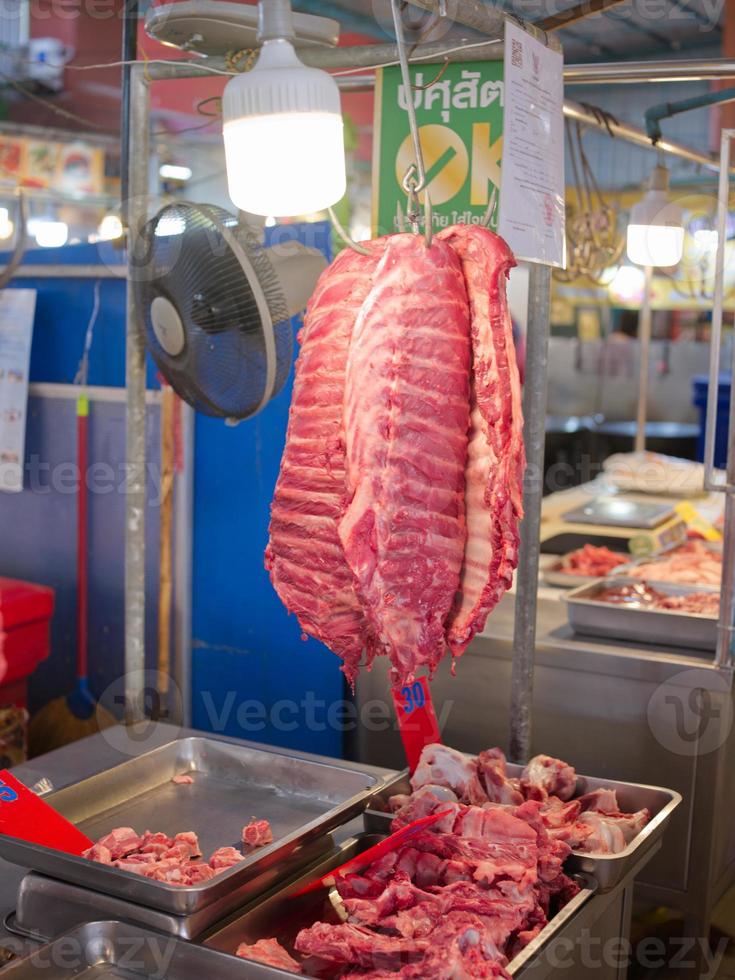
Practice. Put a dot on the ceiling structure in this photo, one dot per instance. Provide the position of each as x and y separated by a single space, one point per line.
633 29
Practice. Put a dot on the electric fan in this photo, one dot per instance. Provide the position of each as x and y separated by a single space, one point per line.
216 304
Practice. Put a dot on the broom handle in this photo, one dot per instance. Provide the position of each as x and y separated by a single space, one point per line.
82 537
168 405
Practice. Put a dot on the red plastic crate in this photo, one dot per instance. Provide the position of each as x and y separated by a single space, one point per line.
25 614
23 602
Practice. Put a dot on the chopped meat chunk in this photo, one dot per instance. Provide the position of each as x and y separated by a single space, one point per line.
442 766
257 833
183 780
552 776
491 765
224 858
270 952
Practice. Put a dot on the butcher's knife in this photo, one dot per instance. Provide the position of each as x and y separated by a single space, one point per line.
26 816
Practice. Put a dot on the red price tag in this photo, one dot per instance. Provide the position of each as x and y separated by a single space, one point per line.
26 816
416 719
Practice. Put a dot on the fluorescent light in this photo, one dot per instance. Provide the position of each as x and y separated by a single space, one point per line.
283 134
172 171
48 234
110 228
655 230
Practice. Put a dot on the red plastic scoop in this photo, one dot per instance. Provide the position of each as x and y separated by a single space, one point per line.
25 816
367 857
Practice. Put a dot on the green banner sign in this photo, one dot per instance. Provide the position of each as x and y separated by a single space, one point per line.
459 110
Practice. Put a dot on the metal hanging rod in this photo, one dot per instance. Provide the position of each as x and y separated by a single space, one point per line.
633 72
467 49
635 135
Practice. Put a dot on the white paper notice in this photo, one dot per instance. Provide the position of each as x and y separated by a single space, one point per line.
532 183
17 309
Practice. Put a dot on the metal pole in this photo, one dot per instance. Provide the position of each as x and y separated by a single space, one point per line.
534 430
644 348
718 302
183 541
634 72
135 457
129 53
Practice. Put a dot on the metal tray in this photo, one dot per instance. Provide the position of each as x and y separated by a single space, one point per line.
554 575
117 951
594 617
282 914
607 869
302 799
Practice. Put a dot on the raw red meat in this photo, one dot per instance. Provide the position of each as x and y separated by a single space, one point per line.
406 414
224 858
348 944
495 457
270 952
443 766
304 554
394 526
592 561
183 780
257 833
491 766
551 776
173 860
448 905
445 778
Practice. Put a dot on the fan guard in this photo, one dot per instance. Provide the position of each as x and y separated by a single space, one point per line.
215 316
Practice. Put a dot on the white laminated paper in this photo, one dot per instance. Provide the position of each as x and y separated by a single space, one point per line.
17 310
532 185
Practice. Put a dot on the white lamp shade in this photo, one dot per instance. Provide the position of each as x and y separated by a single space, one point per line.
283 134
655 231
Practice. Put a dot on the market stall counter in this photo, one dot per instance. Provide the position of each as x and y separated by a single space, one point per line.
595 920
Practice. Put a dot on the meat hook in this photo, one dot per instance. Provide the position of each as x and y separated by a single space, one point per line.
489 214
344 234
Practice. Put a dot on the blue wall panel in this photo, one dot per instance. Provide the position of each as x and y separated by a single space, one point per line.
246 647
251 668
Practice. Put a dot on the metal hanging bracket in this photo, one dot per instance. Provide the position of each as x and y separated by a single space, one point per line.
414 180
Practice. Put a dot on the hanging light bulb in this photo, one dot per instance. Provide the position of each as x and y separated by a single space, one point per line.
655 228
283 132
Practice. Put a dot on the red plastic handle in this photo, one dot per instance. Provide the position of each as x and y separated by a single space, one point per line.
416 719
374 853
25 816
